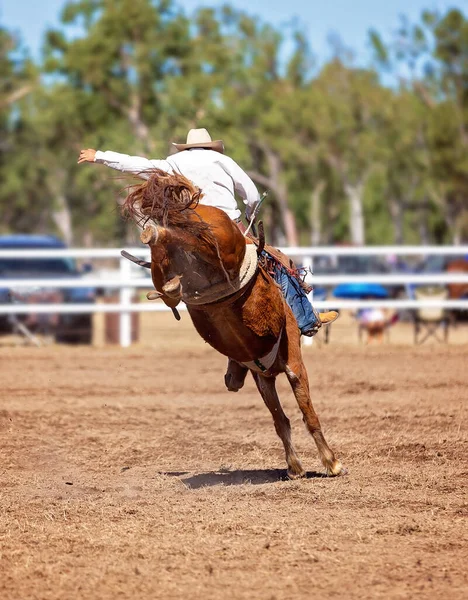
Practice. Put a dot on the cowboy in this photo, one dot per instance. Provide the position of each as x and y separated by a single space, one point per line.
203 161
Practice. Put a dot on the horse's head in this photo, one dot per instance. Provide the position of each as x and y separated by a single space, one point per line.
193 247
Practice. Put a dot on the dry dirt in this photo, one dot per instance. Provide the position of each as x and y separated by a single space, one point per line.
133 474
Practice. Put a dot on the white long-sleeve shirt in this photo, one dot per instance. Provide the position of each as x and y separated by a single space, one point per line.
217 175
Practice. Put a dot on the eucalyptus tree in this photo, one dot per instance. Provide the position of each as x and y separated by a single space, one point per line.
430 58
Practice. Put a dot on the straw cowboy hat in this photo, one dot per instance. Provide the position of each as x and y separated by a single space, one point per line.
200 138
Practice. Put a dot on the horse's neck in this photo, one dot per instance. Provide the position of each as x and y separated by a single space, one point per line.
219 283
206 261
199 275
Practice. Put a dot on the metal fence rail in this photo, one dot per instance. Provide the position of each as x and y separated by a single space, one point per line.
145 282
126 283
338 303
293 251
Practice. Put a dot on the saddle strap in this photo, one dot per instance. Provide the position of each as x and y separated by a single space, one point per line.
276 259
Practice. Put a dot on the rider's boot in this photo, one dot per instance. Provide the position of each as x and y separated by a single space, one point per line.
329 316
308 319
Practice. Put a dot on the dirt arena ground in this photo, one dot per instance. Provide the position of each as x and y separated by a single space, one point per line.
133 474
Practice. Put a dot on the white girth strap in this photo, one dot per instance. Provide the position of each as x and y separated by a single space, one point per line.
261 365
226 288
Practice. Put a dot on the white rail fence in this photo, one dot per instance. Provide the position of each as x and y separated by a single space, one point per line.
128 281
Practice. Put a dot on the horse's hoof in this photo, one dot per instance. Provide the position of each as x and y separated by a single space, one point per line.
295 474
336 470
234 381
231 384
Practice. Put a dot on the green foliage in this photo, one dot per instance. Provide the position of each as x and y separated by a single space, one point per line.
344 156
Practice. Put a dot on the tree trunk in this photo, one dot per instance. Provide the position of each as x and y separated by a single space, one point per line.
88 239
456 236
61 213
281 192
452 220
424 231
397 214
133 110
62 218
316 217
275 183
356 213
288 217
16 95
140 129
424 226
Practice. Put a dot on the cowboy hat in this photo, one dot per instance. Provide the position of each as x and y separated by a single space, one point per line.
200 138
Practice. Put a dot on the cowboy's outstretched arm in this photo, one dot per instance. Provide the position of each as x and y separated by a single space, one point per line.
243 185
138 165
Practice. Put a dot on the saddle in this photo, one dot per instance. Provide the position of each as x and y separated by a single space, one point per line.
268 257
271 258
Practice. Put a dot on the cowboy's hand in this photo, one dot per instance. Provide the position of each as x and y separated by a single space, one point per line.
249 212
87 156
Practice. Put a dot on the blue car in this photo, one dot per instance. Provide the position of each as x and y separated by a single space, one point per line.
72 328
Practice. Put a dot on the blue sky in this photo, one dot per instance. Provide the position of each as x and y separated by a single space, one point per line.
351 19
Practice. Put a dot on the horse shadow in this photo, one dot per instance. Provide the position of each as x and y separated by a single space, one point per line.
237 477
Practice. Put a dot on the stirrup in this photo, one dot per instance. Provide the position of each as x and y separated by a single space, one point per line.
312 331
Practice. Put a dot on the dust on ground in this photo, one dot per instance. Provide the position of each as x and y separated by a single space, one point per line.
134 474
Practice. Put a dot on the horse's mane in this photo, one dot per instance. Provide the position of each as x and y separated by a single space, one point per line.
170 200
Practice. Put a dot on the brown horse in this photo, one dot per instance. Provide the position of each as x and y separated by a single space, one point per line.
199 256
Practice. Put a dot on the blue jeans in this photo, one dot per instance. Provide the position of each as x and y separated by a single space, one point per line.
297 299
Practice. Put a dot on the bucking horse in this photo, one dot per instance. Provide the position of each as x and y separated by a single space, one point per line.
199 256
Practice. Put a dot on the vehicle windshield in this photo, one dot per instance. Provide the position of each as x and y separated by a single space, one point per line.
436 264
357 265
56 266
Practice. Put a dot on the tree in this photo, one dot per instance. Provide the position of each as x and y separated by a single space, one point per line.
17 73
431 58
345 157
18 78
349 121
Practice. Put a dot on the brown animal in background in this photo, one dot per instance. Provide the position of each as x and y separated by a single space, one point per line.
198 255
375 331
457 290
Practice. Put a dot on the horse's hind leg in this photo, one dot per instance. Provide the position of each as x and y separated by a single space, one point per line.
297 377
266 387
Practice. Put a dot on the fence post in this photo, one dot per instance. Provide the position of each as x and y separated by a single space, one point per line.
125 320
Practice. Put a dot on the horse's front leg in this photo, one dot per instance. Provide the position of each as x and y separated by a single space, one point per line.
266 387
235 376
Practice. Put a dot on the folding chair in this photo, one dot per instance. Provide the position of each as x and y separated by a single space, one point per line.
17 326
427 321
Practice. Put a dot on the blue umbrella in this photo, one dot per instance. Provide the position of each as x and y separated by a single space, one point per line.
360 290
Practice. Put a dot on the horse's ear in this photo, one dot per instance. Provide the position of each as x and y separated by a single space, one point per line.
149 235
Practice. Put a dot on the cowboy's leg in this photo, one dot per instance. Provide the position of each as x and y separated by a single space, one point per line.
307 318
